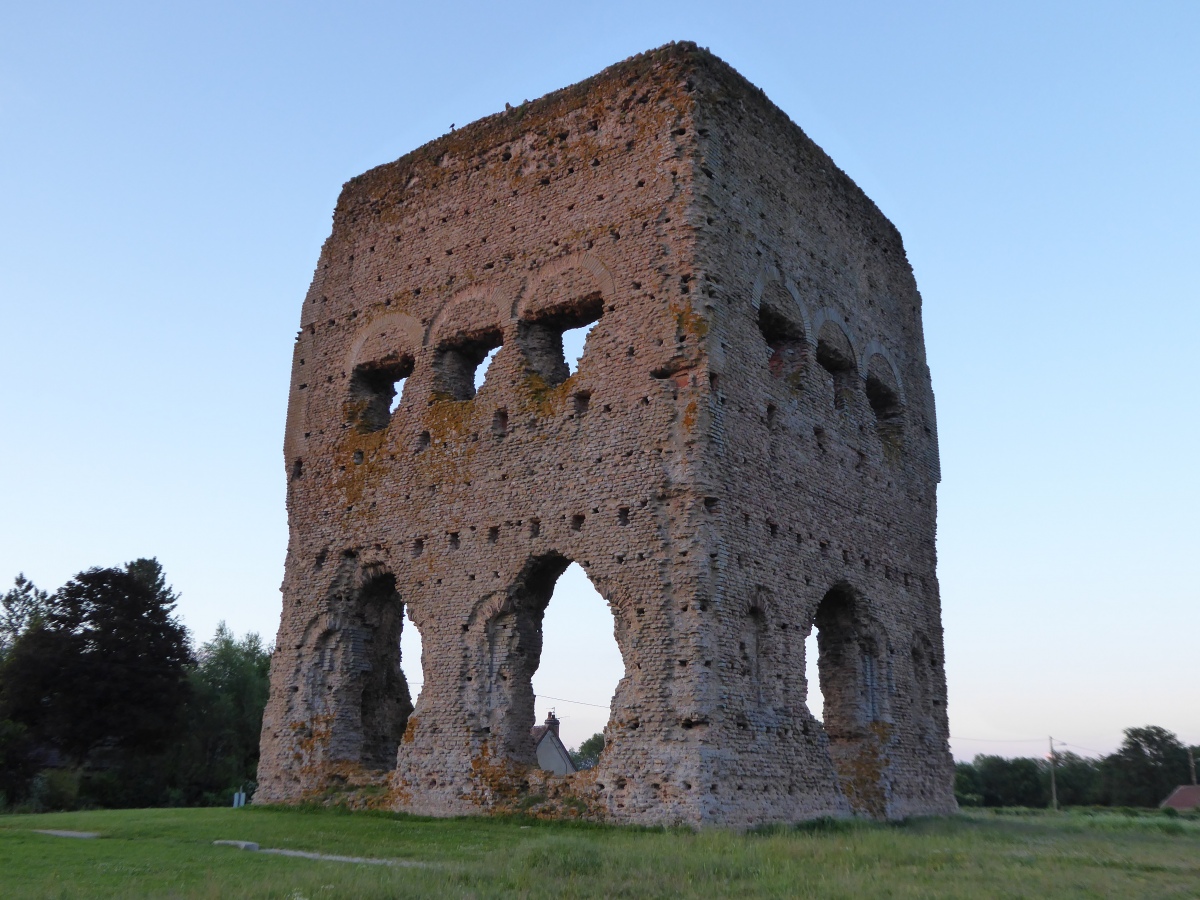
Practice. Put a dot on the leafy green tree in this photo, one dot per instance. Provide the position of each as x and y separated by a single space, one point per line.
1077 779
1149 764
17 762
967 789
230 684
103 667
588 753
1011 782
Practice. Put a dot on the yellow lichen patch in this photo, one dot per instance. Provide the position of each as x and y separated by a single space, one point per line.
690 413
448 422
410 730
355 459
862 774
688 321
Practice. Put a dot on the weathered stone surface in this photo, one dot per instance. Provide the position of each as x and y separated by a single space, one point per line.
748 449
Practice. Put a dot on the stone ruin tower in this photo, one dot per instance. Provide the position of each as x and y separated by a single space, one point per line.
747 451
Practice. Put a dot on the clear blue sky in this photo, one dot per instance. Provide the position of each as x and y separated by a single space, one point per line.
168 173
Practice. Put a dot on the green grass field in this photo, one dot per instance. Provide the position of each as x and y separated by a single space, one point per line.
169 853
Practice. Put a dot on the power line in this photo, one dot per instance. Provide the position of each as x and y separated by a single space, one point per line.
579 702
1000 740
543 697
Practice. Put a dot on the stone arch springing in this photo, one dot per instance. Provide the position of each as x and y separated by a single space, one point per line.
885 398
835 354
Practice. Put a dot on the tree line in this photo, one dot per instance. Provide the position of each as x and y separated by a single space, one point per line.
1150 763
106 702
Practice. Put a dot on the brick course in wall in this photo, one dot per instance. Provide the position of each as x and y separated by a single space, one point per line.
747 451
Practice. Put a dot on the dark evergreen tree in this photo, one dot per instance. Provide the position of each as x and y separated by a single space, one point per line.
21 607
104 667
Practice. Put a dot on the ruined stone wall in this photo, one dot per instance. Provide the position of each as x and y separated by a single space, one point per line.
714 489
822 464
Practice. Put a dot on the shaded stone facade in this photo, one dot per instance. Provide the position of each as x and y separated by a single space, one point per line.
747 451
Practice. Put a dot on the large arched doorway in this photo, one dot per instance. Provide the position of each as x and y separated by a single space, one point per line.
580 664
853 693
571 654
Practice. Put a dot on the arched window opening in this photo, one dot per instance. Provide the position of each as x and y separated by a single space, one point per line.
884 396
378 620
376 389
459 365
544 336
787 349
836 356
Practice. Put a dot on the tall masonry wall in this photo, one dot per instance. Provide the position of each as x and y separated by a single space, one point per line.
746 452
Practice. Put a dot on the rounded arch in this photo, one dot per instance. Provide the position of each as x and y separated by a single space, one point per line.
380 360
850 646
783 324
885 396
829 315
559 306
853 684
473 309
875 348
769 275
538 291
390 334
353 675
835 354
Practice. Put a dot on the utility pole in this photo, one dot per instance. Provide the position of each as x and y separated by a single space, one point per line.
1192 765
1053 786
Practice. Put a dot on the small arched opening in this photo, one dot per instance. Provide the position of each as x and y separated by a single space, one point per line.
836 356
461 363
553 338
376 389
781 329
883 394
